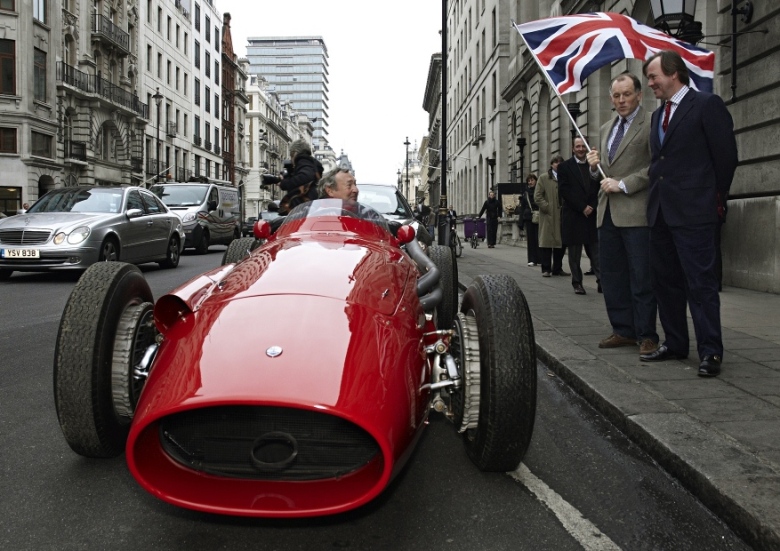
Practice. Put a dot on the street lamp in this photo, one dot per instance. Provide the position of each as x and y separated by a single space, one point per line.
676 18
492 164
406 143
158 97
399 178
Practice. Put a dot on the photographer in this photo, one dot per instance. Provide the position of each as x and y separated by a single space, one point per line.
300 183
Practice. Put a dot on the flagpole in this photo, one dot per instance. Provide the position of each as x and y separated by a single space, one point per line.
557 94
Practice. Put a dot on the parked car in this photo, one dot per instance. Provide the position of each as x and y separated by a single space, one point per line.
246 227
223 405
71 228
387 200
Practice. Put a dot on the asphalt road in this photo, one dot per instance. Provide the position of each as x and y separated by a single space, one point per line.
582 484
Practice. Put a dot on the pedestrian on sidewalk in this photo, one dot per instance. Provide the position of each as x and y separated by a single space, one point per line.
622 219
548 201
694 156
529 214
579 200
492 210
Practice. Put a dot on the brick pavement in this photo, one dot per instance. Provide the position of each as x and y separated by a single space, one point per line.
720 437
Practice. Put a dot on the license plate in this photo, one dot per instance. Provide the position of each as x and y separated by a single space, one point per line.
20 253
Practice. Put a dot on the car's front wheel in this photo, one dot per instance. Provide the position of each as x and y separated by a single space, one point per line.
444 260
109 250
504 388
104 331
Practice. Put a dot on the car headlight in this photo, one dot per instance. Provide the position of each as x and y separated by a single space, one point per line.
189 217
78 235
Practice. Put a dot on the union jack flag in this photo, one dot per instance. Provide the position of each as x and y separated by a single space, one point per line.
571 47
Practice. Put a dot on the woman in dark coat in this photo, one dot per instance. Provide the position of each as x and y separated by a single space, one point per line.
527 207
493 209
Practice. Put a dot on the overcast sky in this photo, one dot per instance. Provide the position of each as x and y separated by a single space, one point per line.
378 61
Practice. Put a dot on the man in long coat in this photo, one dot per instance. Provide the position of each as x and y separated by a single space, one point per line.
546 197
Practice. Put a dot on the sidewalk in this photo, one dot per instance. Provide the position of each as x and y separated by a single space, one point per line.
720 437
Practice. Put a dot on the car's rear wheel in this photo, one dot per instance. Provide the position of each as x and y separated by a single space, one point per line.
105 324
172 253
507 373
238 250
109 250
444 260
5 274
203 245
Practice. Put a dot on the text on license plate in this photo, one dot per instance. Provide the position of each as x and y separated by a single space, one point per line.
20 253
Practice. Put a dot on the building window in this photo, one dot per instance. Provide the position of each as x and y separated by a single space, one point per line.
207 95
216 38
216 71
186 121
41 145
168 30
216 106
178 30
197 165
178 77
7 5
39 10
159 65
197 126
208 64
39 75
186 83
186 43
7 67
149 58
208 29
168 73
197 91
148 11
197 54
208 169
159 20
7 140
197 17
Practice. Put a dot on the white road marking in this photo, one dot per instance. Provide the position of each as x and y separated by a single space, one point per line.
580 528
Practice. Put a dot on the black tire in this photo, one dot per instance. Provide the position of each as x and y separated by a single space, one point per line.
458 246
109 250
172 253
238 250
203 245
84 357
448 268
507 373
5 274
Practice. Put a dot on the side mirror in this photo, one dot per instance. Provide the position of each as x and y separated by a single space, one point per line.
262 229
134 213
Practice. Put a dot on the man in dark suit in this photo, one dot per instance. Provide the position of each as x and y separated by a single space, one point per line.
694 156
579 200
622 218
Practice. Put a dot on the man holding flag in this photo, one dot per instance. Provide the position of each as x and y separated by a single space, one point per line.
694 156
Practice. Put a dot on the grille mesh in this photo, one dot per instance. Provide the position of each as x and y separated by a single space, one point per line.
24 237
266 443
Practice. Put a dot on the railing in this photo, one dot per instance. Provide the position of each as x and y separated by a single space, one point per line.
216 149
153 166
263 138
196 140
137 163
478 133
103 26
207 145
93 84
76 150
171 131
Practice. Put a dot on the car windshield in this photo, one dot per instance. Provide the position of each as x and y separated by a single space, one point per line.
336 207
383 199
180 196
95 200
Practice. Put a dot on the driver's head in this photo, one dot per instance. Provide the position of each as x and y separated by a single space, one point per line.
339 184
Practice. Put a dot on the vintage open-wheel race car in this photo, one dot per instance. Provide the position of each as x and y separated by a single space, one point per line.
295 379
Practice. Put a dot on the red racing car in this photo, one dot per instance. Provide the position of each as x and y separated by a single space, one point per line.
295 379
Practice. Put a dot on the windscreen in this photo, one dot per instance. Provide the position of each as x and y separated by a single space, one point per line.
336 207
97 200
180 196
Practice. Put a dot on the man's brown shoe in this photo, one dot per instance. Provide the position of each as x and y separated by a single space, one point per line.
647 346
615 340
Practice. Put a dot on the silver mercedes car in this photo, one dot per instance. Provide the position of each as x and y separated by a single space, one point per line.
74 227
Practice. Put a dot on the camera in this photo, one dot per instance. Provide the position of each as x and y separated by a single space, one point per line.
288 167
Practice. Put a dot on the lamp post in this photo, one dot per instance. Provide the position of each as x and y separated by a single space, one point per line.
492 164
399 178
158 97
406 143
521 146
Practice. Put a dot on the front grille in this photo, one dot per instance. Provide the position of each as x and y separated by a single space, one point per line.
266 443
24 237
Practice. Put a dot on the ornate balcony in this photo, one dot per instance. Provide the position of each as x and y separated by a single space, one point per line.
95 86
207 145
171 130
216 149
197 140
106 32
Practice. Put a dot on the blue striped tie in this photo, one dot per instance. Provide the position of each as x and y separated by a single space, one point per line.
618 138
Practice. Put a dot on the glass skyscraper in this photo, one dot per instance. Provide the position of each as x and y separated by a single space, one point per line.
296 68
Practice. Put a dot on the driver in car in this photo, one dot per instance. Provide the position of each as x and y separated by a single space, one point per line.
339 183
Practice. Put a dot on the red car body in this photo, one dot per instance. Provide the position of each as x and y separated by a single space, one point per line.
322 322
